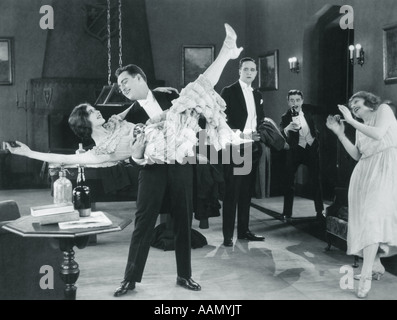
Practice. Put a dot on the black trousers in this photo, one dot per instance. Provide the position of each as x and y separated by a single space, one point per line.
154 180
310 157
237 196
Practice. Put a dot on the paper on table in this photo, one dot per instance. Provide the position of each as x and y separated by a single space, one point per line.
96 219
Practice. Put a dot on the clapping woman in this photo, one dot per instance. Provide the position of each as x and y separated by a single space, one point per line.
372 191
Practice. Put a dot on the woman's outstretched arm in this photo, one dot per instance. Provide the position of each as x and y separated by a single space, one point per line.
83 158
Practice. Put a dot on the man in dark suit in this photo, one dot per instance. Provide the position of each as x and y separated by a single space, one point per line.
244 111
302 136
154 181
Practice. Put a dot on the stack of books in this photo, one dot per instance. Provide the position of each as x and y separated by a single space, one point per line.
54 213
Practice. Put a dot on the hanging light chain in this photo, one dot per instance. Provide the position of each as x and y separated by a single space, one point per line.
109 46
120 38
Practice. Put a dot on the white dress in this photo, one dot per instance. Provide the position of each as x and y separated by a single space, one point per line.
373 193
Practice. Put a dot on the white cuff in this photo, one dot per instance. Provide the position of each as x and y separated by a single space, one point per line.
140 162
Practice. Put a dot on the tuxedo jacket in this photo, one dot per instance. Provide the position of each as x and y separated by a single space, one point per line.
138 115
236 109
293 137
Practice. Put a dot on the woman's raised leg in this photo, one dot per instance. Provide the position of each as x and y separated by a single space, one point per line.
229 51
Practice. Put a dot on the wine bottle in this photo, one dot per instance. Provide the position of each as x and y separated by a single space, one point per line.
82 195
80 149
295 116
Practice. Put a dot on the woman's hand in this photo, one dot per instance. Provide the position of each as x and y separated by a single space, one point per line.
166 90
138 146
347 115
335 126
139 129
22 150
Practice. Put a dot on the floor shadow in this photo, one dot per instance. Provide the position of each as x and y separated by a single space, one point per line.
309 225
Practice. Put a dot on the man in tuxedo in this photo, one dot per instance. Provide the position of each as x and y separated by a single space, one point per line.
244 110
302 136
154 181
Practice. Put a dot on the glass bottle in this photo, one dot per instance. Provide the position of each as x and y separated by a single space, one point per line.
82 195
295 116
62 188
80 149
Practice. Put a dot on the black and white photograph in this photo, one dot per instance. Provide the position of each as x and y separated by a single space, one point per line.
198 157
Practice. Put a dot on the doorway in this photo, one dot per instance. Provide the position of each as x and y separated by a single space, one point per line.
329 82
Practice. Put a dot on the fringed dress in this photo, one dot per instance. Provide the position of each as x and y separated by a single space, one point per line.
172 136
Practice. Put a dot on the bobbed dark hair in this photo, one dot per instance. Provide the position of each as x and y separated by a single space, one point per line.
79 123
370 100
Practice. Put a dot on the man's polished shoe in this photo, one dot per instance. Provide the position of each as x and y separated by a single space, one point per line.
188 284
124 288
250 236
284 218
228 242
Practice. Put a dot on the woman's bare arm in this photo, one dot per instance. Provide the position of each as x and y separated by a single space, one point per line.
83 158
384 115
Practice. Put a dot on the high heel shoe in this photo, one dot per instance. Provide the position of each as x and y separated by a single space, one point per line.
364 287
230 42
376 274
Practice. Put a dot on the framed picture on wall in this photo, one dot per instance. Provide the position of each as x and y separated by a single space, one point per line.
6 61
268 71
195 60
390 53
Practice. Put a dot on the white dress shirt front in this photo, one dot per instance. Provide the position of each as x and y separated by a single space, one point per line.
305 136
153 109
150 105
250 124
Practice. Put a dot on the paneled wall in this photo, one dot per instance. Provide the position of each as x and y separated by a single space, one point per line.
68 63
69 51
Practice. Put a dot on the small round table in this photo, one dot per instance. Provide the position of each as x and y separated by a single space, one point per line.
68 239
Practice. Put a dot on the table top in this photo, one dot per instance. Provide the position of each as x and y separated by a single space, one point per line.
28 227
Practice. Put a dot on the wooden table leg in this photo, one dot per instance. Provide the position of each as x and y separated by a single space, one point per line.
69 268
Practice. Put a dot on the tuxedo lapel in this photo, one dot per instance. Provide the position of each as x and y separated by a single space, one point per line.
240 96
162 100
137 114
310 122
259 111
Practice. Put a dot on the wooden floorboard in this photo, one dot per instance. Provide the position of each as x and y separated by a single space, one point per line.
289 265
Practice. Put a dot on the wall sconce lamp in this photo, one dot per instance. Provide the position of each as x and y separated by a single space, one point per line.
293 64
359 54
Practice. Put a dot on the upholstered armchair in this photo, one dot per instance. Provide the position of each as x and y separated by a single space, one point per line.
337 217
